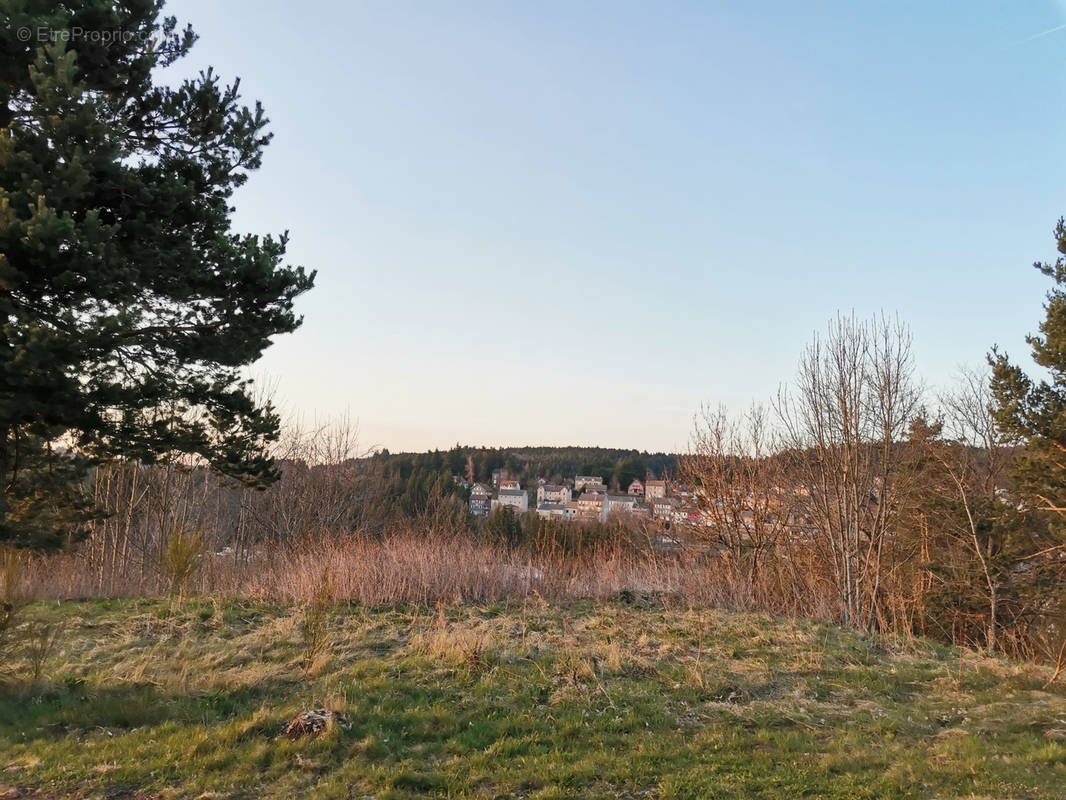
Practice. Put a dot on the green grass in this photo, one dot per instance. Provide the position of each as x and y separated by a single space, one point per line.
149 699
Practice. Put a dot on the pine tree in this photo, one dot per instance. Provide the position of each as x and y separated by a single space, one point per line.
1033 412
129 307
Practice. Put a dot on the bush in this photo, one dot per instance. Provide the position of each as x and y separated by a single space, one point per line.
314 634
41 639
181 558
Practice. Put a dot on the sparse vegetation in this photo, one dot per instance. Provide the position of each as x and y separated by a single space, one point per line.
181 558
314 632
41 639
637 698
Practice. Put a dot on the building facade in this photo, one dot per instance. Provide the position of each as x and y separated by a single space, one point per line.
564 512
620 504
514 498
553 493
581 481
654 489
480 501
663 508
591 507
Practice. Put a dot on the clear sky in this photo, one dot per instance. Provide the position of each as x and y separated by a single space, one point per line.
571 223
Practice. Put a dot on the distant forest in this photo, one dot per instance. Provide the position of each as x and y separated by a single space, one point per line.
617 467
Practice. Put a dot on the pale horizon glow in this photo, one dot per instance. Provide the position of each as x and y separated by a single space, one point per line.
555 224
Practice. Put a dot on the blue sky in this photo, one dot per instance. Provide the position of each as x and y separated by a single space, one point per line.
572 223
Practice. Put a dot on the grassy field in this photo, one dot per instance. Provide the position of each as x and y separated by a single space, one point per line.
629 699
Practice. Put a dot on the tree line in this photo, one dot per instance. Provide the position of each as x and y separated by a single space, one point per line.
934 513
617 467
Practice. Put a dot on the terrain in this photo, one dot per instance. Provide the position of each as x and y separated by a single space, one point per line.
639 697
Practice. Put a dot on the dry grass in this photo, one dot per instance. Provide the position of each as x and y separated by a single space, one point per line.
151 698
426 564
401 568
407 566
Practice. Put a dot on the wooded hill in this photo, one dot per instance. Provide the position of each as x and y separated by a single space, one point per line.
617 467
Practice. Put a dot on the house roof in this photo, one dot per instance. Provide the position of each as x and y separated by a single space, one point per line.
511 492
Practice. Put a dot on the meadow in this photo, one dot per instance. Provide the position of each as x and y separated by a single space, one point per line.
640 696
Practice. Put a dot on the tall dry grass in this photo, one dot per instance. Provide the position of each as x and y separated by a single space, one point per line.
406 565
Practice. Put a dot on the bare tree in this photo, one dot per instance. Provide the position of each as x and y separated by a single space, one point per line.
738 482
853 398
328 486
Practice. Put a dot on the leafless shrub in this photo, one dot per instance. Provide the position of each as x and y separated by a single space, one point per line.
40 639
327 488
314 624
744 499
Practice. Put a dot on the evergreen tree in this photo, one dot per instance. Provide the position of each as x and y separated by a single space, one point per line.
129 308
1034 411
629 468
503 523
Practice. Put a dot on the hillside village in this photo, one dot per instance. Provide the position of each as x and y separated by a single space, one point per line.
586 498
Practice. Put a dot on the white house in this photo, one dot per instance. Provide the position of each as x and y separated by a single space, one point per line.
515 498
590 507
653 489
551 493
564 512
581 481
620 504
